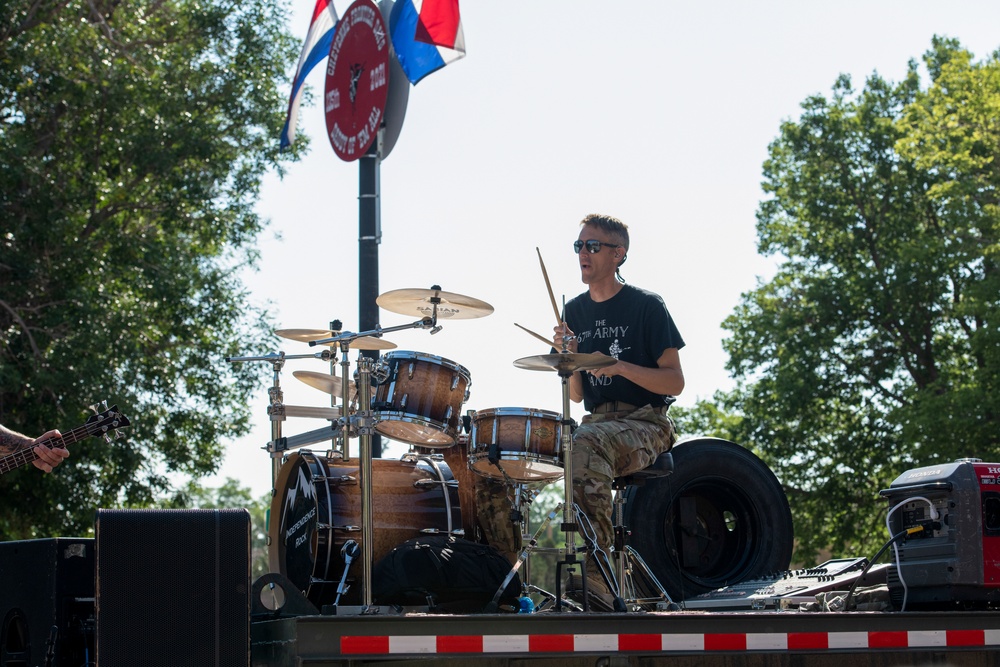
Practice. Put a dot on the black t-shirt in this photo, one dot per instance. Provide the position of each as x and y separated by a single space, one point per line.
634 326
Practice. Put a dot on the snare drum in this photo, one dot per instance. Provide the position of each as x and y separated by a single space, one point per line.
317 508
420 401
528 443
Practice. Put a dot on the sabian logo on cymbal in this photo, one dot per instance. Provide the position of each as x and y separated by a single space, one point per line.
441 311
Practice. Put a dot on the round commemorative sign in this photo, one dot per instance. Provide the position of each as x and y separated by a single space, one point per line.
357 80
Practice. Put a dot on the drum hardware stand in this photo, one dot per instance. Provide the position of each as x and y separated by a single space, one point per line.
570 506
568 527
278 447
628 561
603 563
493 456
364 421
277 410
549 599
493 605
344 340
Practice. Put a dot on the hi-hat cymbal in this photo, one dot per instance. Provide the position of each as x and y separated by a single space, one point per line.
331 384
567 362
421 302
363 343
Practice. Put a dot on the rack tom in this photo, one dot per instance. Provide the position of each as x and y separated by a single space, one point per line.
420 401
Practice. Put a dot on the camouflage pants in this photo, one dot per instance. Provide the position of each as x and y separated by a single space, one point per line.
605 446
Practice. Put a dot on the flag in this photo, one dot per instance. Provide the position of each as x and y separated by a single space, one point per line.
315 49
427 35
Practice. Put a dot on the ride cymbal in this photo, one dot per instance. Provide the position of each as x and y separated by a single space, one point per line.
325 382
421 303
568 362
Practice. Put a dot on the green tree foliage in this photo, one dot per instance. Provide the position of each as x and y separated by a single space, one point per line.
133 139
874 348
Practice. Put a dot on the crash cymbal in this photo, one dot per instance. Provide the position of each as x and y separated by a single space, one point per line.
330 384
363 343
567 362
304 335
368 343
421 302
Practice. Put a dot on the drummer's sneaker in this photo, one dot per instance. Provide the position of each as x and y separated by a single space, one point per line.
599 595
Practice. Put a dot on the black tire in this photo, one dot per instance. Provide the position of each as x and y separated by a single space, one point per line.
719 519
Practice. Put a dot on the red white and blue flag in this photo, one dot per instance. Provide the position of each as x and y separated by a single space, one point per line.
427 35
315 49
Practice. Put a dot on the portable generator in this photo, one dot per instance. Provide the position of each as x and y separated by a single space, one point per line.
955 560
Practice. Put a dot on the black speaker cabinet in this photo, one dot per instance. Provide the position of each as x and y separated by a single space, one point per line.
173 588
47 602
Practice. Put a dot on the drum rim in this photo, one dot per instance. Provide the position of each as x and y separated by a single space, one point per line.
519 412
408 419
305 458
558 471
426 355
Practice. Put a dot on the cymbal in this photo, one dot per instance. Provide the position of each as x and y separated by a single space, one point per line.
421 302
368 343
363 343
567 362
304 335
331 384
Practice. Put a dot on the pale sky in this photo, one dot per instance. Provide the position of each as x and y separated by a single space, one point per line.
658 113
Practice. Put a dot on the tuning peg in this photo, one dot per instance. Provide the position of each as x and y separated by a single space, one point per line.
98 407
119 434
107 438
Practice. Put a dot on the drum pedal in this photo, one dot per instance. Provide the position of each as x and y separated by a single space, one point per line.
349 552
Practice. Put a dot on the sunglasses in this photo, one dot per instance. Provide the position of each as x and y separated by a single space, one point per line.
593 247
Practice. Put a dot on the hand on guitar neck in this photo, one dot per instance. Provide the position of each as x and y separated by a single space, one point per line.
49 449
45 452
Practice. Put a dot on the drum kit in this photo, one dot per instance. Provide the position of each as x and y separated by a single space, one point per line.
323 505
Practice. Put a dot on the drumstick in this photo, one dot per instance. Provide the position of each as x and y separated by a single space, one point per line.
541 338
548 286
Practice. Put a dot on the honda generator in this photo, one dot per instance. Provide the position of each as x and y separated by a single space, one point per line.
955 560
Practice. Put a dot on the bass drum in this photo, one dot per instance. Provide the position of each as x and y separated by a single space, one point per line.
317 508
719 519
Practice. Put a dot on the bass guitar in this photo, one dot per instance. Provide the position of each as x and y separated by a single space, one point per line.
106 424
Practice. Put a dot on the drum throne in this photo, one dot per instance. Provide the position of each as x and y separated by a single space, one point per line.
638 587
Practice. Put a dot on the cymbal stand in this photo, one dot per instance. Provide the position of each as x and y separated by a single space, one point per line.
345 384
569 525
364 422
365 429
276 409
344 340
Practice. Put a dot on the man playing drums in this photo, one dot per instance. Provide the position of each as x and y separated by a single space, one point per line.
627 425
